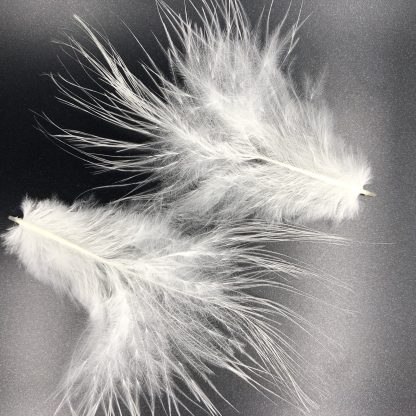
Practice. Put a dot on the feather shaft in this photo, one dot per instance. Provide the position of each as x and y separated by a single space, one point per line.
51 236
317 176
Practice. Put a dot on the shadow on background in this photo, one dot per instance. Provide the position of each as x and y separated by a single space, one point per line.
368 50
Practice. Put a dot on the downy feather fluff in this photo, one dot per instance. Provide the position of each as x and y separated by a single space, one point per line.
165 310
228 133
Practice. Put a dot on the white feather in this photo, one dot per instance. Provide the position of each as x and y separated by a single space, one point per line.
230 134
165 309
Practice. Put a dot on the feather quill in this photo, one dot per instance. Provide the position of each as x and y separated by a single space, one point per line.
165 309
229 134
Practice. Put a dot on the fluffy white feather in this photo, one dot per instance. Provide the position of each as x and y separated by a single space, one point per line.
229 132
165 309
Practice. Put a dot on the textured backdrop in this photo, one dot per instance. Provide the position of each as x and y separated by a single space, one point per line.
368 51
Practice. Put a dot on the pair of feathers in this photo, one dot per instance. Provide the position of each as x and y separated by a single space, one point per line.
229 138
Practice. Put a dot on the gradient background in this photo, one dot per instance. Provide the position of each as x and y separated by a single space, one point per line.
368 49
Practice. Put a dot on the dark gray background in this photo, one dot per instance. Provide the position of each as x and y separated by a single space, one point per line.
369 52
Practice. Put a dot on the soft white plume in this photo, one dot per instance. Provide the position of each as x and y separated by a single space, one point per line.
229 133
165 309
